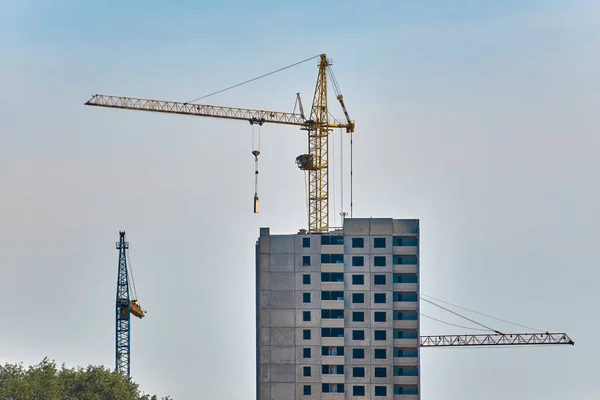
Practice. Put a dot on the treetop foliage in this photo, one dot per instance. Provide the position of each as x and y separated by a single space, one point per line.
45 381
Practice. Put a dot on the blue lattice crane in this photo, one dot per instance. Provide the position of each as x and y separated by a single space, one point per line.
126 305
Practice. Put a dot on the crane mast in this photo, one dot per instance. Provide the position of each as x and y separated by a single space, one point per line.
122 310
318 148
125 307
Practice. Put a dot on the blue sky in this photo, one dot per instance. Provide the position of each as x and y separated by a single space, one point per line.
477 117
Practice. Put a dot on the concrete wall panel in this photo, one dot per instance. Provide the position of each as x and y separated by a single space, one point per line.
282 262
279 244
282 318
282 336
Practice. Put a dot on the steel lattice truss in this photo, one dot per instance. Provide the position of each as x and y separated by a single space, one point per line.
122 310
173 107
497 339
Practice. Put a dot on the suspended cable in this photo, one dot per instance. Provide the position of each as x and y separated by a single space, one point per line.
462 316
450 323
253 79
306 195
331 163
342 213
351 176
485 315
132 280
334 83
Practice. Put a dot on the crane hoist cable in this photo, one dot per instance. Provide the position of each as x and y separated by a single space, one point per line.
256 153
134 304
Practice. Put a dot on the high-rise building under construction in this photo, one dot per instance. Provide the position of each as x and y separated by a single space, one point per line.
338 312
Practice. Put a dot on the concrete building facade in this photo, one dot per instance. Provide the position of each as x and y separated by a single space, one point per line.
338 313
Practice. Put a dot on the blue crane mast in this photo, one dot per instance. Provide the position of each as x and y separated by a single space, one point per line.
125 306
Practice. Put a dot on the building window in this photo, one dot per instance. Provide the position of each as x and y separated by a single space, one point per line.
307 390
380 391
404 241
306 352
359 335
379 261
332 332
333 387
399 260
332 258
358 261
332 314
306 334
406 371
379 243
379 279
306 297
332 295
380 335
332 277
332 351
358 316
402 296
305 316
328 240
405 316
405 334
358 354
358 243
358 297
305 242
380 372
306 279
379 298
406 353
379 316
399 389
332 369
358 390
380 354
405 278
358 279
306 371
306 261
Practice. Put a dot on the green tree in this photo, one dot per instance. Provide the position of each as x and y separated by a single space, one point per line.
45 381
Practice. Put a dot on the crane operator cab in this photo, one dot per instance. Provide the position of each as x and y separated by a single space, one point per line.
305 162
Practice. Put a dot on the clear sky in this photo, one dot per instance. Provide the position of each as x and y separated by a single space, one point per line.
475 116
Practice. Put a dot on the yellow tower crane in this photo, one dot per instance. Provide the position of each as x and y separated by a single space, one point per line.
317 126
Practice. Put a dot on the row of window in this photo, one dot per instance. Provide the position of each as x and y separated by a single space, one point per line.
360 279
359 353
359 242
359 316
359 372
359 261
359 390
359 297
359 334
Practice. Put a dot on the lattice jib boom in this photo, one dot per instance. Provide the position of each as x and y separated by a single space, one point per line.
202 110
517 339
